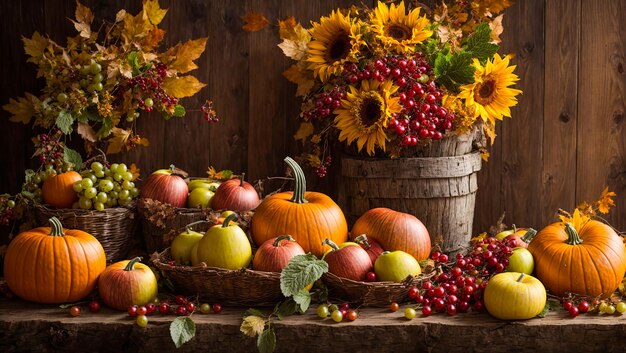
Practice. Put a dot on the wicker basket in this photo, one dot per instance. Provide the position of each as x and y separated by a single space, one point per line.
113 227
373 294
229 287
159 235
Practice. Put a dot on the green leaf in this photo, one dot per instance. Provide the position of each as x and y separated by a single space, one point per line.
303 299
72 157
65 121
105 129
88 115
133 60
453 70
478 43
299 272
545 310
266 343
286 308
179 111
182 330
254 312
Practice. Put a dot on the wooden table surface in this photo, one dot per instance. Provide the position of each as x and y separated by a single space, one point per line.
47 328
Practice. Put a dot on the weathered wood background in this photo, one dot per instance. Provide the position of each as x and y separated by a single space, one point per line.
565 142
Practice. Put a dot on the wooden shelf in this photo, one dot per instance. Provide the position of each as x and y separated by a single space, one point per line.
32 327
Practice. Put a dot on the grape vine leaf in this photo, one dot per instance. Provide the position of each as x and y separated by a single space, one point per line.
254 21
117 143
64 122
478 44
295 75
184 86
455 69
266 343
84 17
86 132
35 46
182 330
305 130
72 157
300 272
22 109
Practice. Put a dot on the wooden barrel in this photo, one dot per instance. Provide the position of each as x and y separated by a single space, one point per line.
439 191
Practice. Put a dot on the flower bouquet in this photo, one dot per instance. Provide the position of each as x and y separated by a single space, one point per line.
390 80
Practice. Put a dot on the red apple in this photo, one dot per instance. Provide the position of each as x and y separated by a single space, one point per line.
350 262
236 195
166 187
371 245
274 254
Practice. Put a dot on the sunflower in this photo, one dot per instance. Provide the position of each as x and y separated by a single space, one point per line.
365 113
336 40
490 94
395 29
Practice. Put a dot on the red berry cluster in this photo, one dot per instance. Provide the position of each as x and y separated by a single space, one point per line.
324 104
50 149
147 89
209 113
182 306
461 283
323 169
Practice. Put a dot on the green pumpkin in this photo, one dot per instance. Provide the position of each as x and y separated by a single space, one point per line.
225 246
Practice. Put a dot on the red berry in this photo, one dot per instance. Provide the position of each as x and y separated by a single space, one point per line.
75 310
191 307
427 310
151 308
583 307
413 292
427 285
371 277
181 310
451 309
132 310
567 305
164 308
180 300
439 292
94 306
443 258
435 256
217 308
142 310
573 311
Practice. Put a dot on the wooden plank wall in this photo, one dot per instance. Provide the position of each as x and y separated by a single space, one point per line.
565 142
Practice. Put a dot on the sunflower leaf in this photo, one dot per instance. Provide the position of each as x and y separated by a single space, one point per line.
455 69
479 43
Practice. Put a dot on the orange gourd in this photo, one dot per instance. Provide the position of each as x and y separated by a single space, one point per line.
589 261
58 191
395 231
310 217
53 265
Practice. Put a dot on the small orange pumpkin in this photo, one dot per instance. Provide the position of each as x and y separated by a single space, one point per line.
310 217
590 261
58 191
53 265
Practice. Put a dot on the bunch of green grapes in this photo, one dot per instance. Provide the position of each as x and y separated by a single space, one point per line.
34 181
105 187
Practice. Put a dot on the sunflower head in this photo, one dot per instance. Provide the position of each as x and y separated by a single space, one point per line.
336 41
365 113
490 95
398 30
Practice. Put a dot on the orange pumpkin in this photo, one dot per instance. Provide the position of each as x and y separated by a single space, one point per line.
395 231
310 217
53 265
589 261
58 191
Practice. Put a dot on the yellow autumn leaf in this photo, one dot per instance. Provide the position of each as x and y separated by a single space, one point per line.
316 138
286 27
496 29
153 12
221 175
252 325
35 46
180 58
294 49
295 75
577 219
135 171
121 14
118 142
255 21
86 132
180 87
314 160
605 201
84 17
484 154
22 108
479 237
305 130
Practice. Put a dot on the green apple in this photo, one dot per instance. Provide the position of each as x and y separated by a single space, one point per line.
225 214
183 244
521 261
505 233
200 197
213 186
194 254
395 266
198 183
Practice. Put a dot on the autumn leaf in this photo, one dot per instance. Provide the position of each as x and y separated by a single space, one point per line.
577 219
605 201
286 27
121 14
496 29
254 21
84 17
221 175
252 325
153 12
118 142
180 58
295 75
305 130
135 171
484 154
294 49
314 160
35 46
22 108
180 87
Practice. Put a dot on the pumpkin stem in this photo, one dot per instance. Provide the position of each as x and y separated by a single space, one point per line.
529 236
56 228
243 175
519 279
386 252
362 239
573 238
330 243
131 264
300 185
228 219
282 237
172 168
514 229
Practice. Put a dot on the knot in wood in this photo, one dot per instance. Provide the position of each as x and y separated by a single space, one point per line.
564 117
